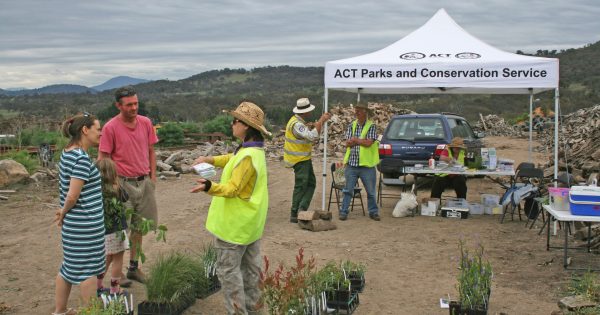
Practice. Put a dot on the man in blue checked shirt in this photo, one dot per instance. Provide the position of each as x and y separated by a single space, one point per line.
362 155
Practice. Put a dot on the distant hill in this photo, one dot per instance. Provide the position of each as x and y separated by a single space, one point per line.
118 82
203 96
51 89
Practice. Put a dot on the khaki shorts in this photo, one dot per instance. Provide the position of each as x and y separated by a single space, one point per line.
141 199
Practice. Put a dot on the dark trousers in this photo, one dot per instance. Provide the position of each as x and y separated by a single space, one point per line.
458 182
304 186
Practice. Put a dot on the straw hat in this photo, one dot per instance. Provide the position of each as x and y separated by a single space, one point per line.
457 142
365 107
252 116
303 105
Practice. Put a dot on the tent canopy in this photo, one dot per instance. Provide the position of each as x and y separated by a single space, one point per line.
441 57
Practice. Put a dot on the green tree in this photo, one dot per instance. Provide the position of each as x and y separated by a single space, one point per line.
170 134
221 123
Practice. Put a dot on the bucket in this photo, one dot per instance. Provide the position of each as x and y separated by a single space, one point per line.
559 198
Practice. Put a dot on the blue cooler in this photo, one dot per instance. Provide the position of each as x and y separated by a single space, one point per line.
585 200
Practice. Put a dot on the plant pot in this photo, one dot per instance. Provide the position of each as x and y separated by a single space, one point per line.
342 301
357 281
152 308
455 308
213 287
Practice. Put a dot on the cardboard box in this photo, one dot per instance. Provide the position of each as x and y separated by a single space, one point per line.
455 213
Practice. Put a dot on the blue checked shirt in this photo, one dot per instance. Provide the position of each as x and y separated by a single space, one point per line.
371 134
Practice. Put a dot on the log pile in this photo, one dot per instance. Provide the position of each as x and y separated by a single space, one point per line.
579 135
494 125
341 118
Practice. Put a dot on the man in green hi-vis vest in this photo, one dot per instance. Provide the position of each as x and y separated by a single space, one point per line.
362 155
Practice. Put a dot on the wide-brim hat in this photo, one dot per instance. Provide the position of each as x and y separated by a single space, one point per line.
252 116
365 107
457 142
303 105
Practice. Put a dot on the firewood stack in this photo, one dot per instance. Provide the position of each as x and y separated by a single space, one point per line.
494 125
579 135
342 116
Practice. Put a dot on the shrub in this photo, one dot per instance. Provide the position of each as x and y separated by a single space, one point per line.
22 157
474 278
170 134
172 279
221 123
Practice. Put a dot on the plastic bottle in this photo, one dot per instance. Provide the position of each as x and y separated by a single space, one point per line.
431 162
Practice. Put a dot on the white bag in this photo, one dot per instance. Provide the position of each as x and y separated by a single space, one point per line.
406 205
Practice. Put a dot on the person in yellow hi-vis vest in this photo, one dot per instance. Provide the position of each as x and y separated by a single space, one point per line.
362 155
238 210
297 150
454 153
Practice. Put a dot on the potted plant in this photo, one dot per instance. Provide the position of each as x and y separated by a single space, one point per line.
209 283
338 288
171 285
356 274
474 282
109 305
295 290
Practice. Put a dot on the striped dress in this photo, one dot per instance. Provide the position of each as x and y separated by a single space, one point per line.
83 226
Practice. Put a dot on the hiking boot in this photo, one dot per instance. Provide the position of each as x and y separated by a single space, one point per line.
294 219
125 283
375 217
343 217
136 275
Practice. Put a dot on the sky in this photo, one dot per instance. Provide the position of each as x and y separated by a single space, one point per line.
87 42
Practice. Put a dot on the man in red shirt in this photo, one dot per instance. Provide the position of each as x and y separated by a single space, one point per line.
128 139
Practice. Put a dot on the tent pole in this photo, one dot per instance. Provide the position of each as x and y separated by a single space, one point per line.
556 118
530 122
358 96
326 101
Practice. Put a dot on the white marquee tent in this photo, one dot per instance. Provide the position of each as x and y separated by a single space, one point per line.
442 58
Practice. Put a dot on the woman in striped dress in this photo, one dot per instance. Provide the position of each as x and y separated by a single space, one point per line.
81 216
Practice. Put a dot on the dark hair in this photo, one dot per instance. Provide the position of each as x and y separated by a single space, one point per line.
71 128
254 135
124 92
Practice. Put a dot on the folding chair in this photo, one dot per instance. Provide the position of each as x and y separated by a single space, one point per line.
390 166
338 188
525 177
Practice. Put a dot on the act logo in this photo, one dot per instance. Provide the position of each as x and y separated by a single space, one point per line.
412 56
467 55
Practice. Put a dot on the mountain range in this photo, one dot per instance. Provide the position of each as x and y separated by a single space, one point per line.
113 83
276 88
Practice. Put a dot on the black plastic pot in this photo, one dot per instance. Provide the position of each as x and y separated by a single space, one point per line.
342 301
214 287
151 308
357 281
456 309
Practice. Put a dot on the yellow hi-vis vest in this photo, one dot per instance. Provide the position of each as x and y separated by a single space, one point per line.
367 156
295 150
461 159
235 220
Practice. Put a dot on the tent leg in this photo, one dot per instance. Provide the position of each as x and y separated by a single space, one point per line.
324 174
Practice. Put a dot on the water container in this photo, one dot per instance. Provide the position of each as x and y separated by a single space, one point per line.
559 198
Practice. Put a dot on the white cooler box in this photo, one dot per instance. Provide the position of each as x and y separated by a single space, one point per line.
585 200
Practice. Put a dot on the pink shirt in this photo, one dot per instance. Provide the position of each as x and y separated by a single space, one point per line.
128 147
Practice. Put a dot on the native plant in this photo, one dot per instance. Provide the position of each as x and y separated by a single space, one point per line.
474 278
144 226
173 280
355 269
113 305
286 291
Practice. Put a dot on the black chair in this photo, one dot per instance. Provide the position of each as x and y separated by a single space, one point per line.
390 166
525 175
338 189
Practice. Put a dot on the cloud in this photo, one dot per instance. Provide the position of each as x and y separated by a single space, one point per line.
84 42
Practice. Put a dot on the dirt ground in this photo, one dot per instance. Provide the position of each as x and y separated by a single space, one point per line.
411 262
